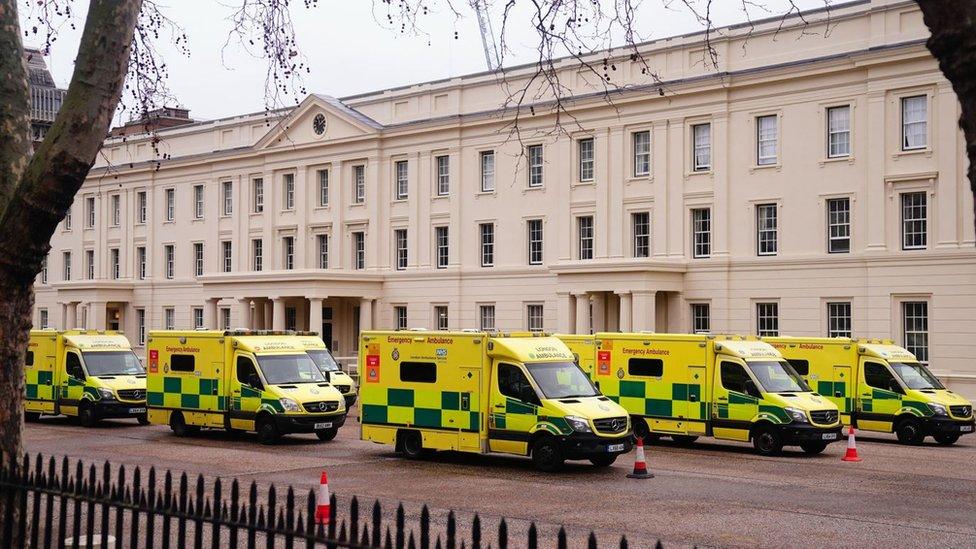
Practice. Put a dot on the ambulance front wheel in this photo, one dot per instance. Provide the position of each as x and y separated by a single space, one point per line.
177 423
946 439
546 454
86 414
909 431
813 448
603 461
143 419
767 440
268 432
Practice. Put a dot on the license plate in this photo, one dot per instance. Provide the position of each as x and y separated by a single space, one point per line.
319 426
830 436
966 428
615 448
137 410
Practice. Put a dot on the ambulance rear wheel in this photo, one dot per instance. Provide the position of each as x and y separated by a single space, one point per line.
267 431
909 431
177 423
603 461
946 439
767 441
327 435
143 419
86 415
31 416
410 444
684 440
813 448
546 455
641 430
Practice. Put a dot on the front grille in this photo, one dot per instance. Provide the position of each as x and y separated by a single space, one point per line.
824 417
611 425
343 388
320 407
961 411
132 394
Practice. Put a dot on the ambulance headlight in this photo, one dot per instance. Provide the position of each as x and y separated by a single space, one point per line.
289 405
797 415
938 409
579 424
106 393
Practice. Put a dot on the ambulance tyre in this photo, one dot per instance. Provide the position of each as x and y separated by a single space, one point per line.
31 416
909 431
143 419
813 448
327 434
684 440
546 455
603 461
86 414
268 432
178 425
767 440
946 439
410 444
641 430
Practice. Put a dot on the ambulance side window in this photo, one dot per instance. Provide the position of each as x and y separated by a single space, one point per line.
182 363
802 367
735 378
878 376
247 374
513 384
648 367
73 366
29 359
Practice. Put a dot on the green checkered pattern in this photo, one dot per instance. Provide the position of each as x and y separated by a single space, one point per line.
555 425
656 399
829 388
421 408
184 392
40 384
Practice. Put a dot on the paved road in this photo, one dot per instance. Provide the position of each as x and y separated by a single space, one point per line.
710 494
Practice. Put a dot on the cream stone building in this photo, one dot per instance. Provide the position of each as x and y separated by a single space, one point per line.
812 183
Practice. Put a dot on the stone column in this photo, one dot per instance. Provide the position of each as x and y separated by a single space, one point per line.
244 313
278 318
599 312
315 315
365 315
97 319
566 319
71 316
582 313
211 314
626 312
644 311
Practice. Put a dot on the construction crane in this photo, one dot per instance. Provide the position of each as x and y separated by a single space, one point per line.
492 55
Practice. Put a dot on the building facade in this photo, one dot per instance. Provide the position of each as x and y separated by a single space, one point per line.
812 183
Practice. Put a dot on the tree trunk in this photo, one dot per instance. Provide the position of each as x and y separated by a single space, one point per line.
35 200
952 24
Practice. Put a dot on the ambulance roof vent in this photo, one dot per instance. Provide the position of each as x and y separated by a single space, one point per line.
471 330
415 329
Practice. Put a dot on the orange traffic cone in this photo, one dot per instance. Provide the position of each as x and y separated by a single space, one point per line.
640 464
851 454
323 505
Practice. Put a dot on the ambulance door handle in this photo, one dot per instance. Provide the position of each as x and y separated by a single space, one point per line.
500 406
722 398
692 398
838 394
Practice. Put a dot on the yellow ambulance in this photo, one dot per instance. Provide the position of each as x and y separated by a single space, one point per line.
483 393
686 386
879 386
91 375
327 364
239 381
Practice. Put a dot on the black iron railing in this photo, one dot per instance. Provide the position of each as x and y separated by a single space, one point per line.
46 505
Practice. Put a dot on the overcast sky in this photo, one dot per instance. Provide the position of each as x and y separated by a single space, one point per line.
350 50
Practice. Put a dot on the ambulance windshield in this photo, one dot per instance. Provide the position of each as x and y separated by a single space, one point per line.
287 369
916 376
323 359
113 363
777 376
561 380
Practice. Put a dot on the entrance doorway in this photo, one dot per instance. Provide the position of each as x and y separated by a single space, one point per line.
113 318
327 329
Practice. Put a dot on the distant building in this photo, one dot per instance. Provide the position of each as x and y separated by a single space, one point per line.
46 96
154 120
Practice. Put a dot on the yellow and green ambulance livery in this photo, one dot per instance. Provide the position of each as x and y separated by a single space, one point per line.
91 375
686 386
327 364
477 392
239 381
879 386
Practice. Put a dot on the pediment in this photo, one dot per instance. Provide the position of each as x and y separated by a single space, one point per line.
319 118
